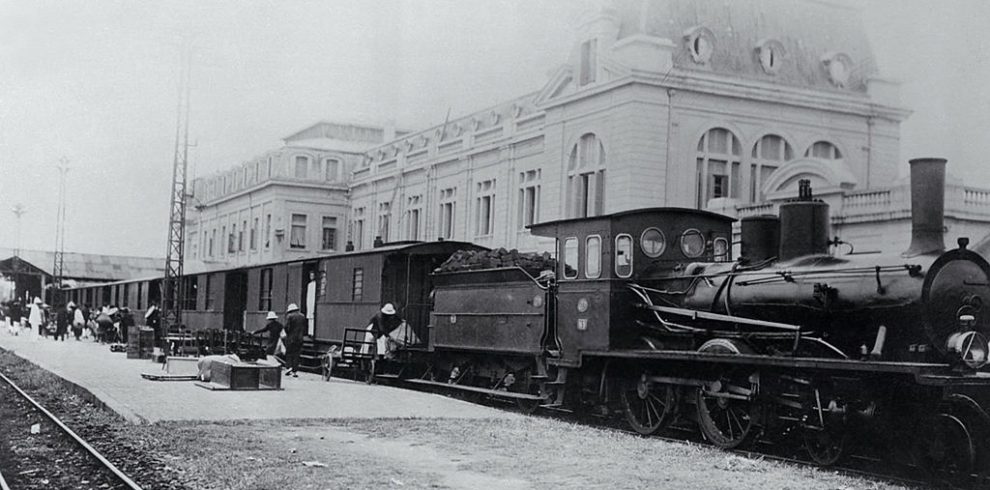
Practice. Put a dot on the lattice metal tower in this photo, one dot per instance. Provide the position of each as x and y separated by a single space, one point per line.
172 293
58 267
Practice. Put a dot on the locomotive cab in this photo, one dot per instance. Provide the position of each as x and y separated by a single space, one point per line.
598 255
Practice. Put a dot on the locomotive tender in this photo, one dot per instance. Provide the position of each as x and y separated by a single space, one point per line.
647 313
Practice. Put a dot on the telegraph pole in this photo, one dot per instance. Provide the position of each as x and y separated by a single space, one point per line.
18 211
172 293
57 269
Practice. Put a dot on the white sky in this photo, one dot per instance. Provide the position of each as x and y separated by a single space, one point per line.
95 82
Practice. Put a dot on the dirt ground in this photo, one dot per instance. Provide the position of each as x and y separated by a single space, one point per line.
531 452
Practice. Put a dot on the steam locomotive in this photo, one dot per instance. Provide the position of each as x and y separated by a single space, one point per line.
647 314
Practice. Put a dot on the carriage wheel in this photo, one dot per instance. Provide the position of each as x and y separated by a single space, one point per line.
726 410
825 447
648 406
948 452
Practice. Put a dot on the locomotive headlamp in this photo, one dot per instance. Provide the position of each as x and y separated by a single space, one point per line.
969 348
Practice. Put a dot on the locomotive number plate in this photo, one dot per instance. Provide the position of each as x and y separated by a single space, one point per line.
582 324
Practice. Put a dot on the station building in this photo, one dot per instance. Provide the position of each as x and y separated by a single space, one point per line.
712 105
285 204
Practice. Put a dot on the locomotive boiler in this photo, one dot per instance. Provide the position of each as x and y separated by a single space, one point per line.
923 305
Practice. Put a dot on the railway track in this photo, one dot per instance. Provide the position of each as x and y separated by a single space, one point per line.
45 452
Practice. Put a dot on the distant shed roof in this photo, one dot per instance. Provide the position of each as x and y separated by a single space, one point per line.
92 266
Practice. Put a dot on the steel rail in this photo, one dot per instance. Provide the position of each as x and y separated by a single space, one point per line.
3 483
106 463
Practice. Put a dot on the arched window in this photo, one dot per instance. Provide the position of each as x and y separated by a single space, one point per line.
586 178
769 153
824 150
718 166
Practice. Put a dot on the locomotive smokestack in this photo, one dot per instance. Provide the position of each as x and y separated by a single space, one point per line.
927 206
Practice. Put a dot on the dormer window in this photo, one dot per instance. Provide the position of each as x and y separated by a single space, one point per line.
700 43
770 53
589 61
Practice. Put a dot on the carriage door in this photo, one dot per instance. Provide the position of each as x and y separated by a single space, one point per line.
419 285
234 300
309 286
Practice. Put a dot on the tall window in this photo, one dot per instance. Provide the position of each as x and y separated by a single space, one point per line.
718 166
824 150
269 167
240 236
302 163
448 209
484 218
231 244
586 178
589 61
297 235
268 230
254 235
529 197
769 153
223 236
333 169
357 229
384 213
414 208
265 290
329 241
213 238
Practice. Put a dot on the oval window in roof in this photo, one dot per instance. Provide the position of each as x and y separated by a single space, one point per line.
653 242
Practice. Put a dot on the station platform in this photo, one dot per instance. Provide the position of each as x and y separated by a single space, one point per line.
116 382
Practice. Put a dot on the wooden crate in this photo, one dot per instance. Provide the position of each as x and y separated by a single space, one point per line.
232 375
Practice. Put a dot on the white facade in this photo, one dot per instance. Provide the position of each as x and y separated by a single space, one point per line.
688 103
661 104
285 204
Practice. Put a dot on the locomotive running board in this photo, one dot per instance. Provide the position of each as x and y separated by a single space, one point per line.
924 373
475 389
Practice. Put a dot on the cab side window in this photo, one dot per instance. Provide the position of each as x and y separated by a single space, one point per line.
593 257
570 265
623 255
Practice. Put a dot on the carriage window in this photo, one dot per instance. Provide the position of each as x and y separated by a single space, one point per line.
265 291
623 255
692 243
720 249
357 291
653 243
593 257
570 258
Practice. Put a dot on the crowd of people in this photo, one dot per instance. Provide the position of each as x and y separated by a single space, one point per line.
107 324
110 324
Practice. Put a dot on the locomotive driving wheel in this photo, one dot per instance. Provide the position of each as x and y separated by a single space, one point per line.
825 447
726 406
648 406
948 451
